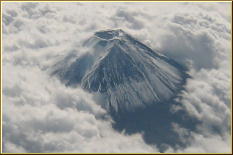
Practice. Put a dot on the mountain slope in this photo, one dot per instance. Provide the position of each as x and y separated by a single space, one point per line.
124 72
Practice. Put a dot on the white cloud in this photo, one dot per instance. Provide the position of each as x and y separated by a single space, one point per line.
42 115
49 117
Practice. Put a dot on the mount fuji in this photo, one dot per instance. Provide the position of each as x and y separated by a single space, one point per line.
135 84
123 72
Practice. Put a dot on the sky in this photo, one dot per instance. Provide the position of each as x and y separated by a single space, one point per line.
40 114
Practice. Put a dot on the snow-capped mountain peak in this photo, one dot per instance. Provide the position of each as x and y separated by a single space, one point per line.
125 73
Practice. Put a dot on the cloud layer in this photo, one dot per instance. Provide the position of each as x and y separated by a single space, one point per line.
40 114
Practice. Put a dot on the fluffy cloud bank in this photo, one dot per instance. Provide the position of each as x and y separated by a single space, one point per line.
44 116
40 114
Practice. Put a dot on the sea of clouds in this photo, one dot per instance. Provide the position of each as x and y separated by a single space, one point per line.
40 114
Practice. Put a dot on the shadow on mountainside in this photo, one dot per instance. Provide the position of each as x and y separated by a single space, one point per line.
156 123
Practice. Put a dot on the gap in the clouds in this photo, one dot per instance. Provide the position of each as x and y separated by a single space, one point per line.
155 122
